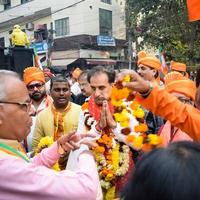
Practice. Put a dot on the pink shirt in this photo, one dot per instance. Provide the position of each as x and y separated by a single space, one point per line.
34 181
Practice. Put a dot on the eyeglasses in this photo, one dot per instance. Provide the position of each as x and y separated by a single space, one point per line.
24 106
37 85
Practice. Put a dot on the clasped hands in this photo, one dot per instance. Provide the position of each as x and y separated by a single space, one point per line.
106 119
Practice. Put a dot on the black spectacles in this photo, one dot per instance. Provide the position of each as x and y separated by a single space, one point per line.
24 106
37 85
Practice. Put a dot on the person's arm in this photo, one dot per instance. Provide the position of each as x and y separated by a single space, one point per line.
181 115
47 157
160 102
22 180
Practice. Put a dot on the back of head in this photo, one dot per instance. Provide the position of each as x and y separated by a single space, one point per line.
110 72
198 78
4 74
172 173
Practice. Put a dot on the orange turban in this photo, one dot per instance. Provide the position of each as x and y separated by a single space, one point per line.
176 82
76 73
33 74
149 61
178 66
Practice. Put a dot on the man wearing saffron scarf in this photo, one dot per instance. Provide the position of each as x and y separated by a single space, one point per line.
24 179
184 89
99 121
61 117
34 80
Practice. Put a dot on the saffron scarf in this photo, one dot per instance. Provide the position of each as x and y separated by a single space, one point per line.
59 122
95 110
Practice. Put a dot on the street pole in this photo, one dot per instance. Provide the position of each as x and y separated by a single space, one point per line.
129 35
129 49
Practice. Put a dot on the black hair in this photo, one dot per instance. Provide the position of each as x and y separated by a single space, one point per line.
99 70
83 74
198 78
172 173
58 78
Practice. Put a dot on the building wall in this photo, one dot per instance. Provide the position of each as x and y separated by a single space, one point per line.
83 17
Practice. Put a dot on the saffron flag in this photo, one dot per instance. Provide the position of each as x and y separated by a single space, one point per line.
193 10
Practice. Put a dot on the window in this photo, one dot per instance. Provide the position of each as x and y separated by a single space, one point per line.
105 22
24 1
2 42
7 4
106 1
62 26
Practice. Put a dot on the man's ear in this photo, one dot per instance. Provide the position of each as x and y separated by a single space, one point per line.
154 72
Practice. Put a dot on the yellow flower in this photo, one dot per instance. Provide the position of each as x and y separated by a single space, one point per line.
127 78
154 139
44 143
116 103
139 113
138 142
109 177
123 116
124 124
110 194
115 157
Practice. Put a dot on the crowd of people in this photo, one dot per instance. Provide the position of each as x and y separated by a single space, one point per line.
91 132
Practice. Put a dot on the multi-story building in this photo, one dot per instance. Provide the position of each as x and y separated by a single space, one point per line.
68 30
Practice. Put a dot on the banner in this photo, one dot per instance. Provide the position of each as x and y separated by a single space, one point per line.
193 10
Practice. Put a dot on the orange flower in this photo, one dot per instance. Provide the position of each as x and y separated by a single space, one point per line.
141 128
119 94
138 142
99 149
146 147
85 106
130 138
134 105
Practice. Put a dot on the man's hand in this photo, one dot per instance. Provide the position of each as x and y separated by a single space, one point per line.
102 121
109 118
73 141
137 83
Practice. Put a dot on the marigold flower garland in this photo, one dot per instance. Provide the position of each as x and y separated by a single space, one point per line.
126 105
112 160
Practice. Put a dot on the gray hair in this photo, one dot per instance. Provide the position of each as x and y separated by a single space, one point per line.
4 74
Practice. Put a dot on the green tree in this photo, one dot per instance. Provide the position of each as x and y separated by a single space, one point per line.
165 23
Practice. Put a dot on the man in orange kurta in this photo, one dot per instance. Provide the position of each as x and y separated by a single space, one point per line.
160 102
